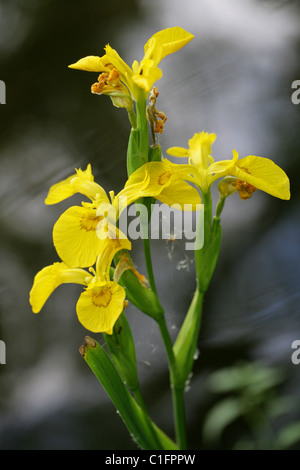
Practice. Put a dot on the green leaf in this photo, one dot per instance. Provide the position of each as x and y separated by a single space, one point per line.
155 154
219 417
148 437
135 158
121 348
207 257
289 435
186 341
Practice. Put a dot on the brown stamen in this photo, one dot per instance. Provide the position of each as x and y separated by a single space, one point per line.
245 189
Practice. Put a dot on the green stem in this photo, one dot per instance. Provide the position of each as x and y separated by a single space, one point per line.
177 391
149 266
178 400
142 125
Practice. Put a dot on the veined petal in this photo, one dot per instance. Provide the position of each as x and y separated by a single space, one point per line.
186 172
90 63
133 190
75 236
180 195
49 278
169 40
99 307
263 174
159 176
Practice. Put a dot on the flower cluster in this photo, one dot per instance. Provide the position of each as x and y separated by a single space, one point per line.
86 237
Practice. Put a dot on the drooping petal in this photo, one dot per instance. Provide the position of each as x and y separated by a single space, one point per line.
75 236
133 190
180 195
90 63
169 40
49 278
263 174
99 307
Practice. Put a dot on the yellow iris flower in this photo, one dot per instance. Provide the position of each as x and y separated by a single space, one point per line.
78 234
250 173
140 78
102 301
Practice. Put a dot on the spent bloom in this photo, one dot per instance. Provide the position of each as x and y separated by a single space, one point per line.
116 77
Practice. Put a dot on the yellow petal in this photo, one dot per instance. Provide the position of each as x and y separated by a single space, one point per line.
147 76
180 195
80 182
133 190
178 152
75 236
99 307
114 242
90 63
114 58
49 278
263 174
169 40
200 149
150 179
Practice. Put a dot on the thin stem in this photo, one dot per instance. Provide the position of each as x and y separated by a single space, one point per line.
178 400
142 125
177 391
149 266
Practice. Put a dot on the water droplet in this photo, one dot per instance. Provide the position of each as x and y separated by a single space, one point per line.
196 355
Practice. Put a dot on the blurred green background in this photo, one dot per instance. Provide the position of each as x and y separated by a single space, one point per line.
233 79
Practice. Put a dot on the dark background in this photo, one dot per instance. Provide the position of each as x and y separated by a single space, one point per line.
233 79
